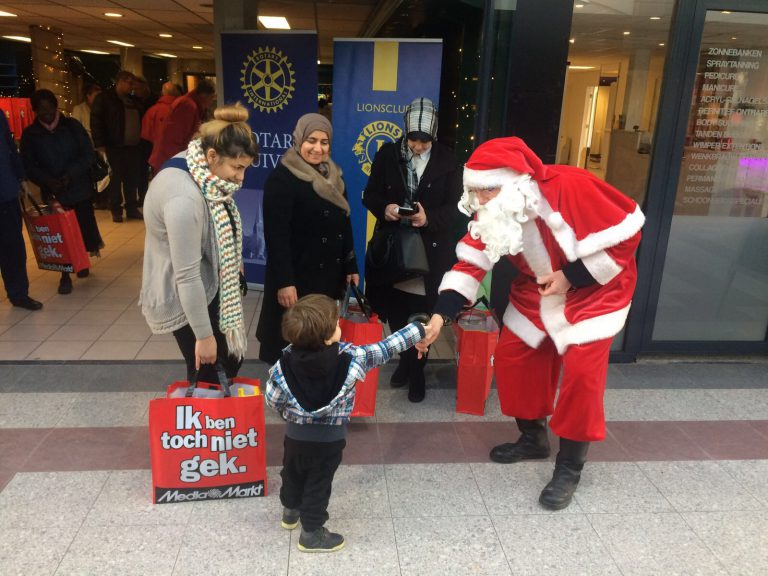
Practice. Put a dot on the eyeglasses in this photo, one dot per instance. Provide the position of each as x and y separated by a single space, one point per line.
486 190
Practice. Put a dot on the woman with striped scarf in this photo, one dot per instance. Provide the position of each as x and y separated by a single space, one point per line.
192 284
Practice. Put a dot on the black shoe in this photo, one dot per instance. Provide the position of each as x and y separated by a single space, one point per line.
320 540
290 518
27 303
558 493
532 444
117 216
400 375
84 273
134 215
417 388
65 285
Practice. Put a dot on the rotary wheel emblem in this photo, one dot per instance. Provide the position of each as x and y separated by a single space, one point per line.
267 79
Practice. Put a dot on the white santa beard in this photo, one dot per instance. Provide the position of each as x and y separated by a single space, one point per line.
498 224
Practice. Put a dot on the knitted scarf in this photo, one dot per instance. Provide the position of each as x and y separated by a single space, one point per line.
219 195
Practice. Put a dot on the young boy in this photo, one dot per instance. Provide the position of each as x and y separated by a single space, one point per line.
313 388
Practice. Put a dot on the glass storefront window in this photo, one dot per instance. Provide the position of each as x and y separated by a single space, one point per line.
715 281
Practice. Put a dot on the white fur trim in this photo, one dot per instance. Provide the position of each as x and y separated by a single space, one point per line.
522 327
563 333
612 236
534 251
563 233
470 255
462 283
489 178
601 266
555 220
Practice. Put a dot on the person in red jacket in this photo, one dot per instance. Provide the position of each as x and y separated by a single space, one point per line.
154 119
572 238
187 113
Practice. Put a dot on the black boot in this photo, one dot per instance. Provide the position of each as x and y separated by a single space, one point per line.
570 461
533 443
417 387
400 375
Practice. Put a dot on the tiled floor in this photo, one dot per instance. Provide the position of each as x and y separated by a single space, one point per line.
679 487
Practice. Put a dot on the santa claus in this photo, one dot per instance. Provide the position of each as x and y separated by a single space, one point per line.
572 238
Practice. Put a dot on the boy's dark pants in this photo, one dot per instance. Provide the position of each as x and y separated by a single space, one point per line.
308 470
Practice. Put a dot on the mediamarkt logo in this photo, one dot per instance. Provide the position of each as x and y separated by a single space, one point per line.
170 495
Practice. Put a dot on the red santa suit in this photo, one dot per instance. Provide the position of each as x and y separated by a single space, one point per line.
571 216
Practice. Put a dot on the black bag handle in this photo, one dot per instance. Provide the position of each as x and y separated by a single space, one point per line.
365 306
220 373
32 200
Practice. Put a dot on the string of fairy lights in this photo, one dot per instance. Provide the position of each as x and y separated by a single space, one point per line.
50 72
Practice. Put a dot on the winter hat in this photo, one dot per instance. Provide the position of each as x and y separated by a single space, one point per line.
504 163
421 120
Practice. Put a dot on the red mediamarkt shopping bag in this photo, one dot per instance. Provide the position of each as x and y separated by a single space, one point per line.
56 239
477 332
210 447
361 326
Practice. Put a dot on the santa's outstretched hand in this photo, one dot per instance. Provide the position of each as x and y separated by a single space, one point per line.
555 283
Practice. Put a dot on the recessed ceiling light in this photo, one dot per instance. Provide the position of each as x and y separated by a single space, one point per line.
725 12
19 38
627 32
165 35
9 14
581 67
661 44
165 55
275 22
113 14
578 5
94 51
197 47
318 61
655 17
120 43
572 40
734 38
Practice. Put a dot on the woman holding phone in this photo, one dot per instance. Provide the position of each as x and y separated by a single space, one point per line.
418 181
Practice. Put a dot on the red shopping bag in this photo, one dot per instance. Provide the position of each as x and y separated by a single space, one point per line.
206 444
56 239
476 334
361 326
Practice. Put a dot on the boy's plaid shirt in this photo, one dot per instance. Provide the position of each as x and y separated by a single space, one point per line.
364 358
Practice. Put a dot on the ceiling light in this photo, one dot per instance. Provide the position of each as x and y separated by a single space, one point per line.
165 35
9 14
318 60
113 14
725 12
275 22
655 17
197 47
94 51
734 38
627 32
581 67
120 43
165 55
19 38
578 5
572 40
661 44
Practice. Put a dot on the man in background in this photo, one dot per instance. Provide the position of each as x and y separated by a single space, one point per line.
187 112
154 120
82 112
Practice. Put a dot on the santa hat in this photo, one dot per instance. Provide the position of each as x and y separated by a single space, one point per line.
504 163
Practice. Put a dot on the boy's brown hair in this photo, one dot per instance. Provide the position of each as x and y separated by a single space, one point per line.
310 322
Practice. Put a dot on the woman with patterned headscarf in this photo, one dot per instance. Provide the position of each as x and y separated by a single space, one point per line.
307 230
415 173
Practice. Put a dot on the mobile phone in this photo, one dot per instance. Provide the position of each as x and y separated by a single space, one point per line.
407 210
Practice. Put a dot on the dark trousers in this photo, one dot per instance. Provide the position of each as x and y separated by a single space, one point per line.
186 340
126 163
13 253
308 470
86 219
400 307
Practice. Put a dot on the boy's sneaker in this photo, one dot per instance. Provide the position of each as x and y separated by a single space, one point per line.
320 540
290 518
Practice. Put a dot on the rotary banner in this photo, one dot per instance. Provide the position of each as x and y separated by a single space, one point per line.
275 76
373 82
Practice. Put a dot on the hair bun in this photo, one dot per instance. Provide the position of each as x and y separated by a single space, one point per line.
232 113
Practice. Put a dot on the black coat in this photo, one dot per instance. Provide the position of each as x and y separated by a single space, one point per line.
67 151
108 119
309 246
439 192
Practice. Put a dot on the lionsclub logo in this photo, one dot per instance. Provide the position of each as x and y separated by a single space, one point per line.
372 137
172 495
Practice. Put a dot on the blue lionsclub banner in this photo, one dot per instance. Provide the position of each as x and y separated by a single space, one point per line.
275 76
373 82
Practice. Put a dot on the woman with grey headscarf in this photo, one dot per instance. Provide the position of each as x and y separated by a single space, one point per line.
417 181
307 230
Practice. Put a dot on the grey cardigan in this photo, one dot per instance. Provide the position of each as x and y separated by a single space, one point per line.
180 276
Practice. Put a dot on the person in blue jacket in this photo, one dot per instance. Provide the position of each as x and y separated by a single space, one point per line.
13 253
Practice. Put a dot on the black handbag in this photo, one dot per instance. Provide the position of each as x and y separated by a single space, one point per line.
395 253
99 169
